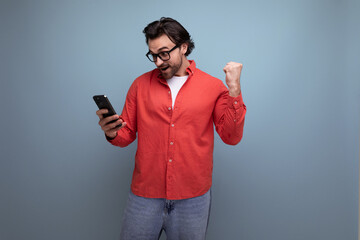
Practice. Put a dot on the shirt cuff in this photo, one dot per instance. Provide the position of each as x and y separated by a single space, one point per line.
235 102
110 139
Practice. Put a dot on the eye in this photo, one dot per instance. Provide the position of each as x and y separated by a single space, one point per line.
163 54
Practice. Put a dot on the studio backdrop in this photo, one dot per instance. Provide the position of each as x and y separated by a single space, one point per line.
294 175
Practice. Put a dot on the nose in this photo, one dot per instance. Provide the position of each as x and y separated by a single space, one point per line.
158 62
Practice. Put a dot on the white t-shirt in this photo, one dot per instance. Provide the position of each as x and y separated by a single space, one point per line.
175 83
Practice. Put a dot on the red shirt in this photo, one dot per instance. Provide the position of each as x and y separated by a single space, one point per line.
174 158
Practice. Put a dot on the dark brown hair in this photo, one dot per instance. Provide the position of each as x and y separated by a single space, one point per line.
173 29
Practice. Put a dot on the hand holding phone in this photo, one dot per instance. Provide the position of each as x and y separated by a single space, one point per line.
109 121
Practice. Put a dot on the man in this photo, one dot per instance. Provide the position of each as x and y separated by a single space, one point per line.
172 109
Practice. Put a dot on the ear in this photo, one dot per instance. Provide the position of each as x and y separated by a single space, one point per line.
184 48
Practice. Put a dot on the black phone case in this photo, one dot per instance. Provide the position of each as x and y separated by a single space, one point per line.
103 103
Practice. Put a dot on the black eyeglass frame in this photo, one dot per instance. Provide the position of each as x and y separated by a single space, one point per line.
154 56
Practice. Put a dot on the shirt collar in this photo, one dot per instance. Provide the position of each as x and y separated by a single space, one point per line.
191 68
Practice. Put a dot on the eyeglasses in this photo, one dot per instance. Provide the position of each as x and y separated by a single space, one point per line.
165 55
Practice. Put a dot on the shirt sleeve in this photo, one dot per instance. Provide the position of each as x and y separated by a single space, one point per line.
229 117
127 134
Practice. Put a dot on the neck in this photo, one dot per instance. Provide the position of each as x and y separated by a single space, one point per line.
182 71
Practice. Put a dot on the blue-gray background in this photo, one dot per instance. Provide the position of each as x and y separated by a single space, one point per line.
293 176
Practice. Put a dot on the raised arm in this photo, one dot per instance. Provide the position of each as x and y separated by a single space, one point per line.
229 112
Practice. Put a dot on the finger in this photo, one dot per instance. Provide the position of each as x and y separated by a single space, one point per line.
112 126
100 112
113 132
123 124
117 127
105 121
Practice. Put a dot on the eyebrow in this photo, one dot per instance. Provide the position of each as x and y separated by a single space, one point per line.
159 50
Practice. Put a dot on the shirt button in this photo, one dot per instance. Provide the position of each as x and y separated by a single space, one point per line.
169 92
169 108
172 125
171 143
170 160
234 120
235 102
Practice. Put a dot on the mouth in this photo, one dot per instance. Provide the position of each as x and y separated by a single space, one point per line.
163 69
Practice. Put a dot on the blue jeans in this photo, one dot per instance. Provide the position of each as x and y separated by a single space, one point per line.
146 218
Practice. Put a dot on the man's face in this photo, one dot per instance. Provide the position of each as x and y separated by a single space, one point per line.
173 66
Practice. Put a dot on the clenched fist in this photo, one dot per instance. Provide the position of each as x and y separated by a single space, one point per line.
232 72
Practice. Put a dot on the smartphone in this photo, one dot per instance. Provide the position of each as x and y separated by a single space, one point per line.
103 102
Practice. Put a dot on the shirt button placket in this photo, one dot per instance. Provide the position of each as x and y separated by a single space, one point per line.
170 160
